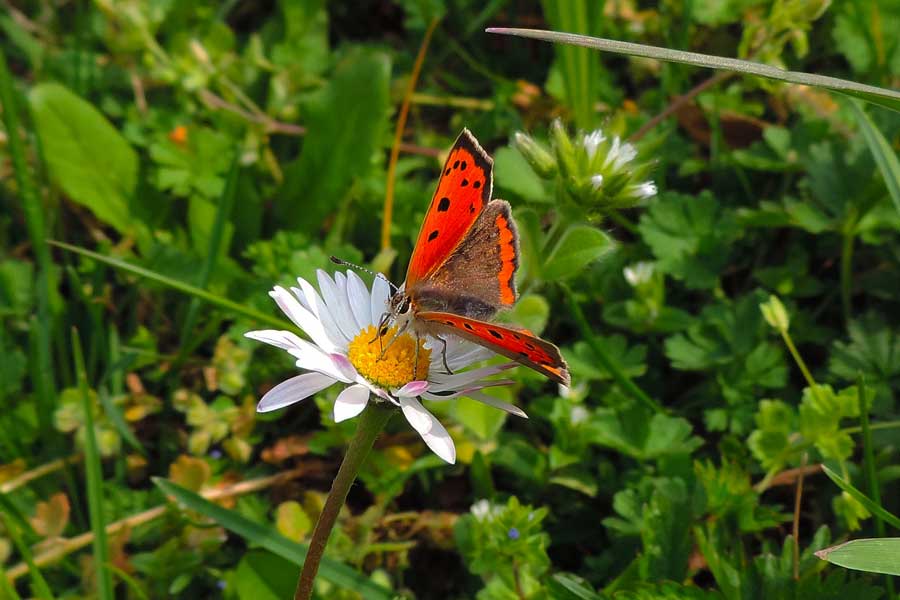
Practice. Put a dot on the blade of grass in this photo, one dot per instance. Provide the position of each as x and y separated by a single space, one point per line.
7 590
39 585
876 95
870 505
872 556
330 569
869 460
94 474
186 288
42 371
223 214
881 150
398 136
580 68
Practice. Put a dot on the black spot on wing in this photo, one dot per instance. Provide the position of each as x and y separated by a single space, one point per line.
476 185
456 165
464 183
444 204
468 326
433 235
462 167
496 334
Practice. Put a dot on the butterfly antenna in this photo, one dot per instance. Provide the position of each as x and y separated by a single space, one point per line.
342 262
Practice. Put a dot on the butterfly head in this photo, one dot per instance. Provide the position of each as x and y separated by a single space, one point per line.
399 312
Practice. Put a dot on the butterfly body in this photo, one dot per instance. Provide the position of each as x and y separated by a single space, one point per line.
462 271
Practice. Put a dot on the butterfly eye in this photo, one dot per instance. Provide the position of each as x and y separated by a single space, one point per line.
404 308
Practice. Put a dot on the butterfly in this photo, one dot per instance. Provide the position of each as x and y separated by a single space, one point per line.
462 269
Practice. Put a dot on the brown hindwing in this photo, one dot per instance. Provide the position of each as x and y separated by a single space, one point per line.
479 277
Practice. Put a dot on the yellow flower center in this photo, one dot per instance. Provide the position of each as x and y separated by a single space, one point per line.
389 366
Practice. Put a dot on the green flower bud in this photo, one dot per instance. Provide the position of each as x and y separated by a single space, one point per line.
775 314
565 151
540 159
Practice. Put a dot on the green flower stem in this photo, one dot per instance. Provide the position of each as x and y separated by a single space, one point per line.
606 361
371 422
799 360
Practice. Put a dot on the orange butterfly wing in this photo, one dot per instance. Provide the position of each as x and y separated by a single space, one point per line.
463 191
518 344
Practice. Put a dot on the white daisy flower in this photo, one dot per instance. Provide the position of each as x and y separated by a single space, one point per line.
341 324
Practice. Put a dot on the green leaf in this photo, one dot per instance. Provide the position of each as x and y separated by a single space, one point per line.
345 126
482 420
884 155
579 246
857 495
512 172
876 95
86 155
264 576
631 432
872 555
571 587
531 312
690 237
268 538
873 349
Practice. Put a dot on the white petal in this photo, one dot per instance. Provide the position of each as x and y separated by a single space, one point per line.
497 403
301 317
286 340
318 308
433 433
413 388
350 402
441 382
334 365
293 390
381 292
337 305
467 390
340 283
360 303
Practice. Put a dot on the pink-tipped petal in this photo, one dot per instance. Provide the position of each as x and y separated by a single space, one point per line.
412 389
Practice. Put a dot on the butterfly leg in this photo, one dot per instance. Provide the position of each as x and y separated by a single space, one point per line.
393 339
444 353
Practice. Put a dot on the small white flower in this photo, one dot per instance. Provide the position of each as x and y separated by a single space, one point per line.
579 414
592 141
638 273
645 190
481 509
619 154
596 181
341 324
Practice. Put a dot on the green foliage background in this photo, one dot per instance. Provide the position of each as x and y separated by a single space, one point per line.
727 336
